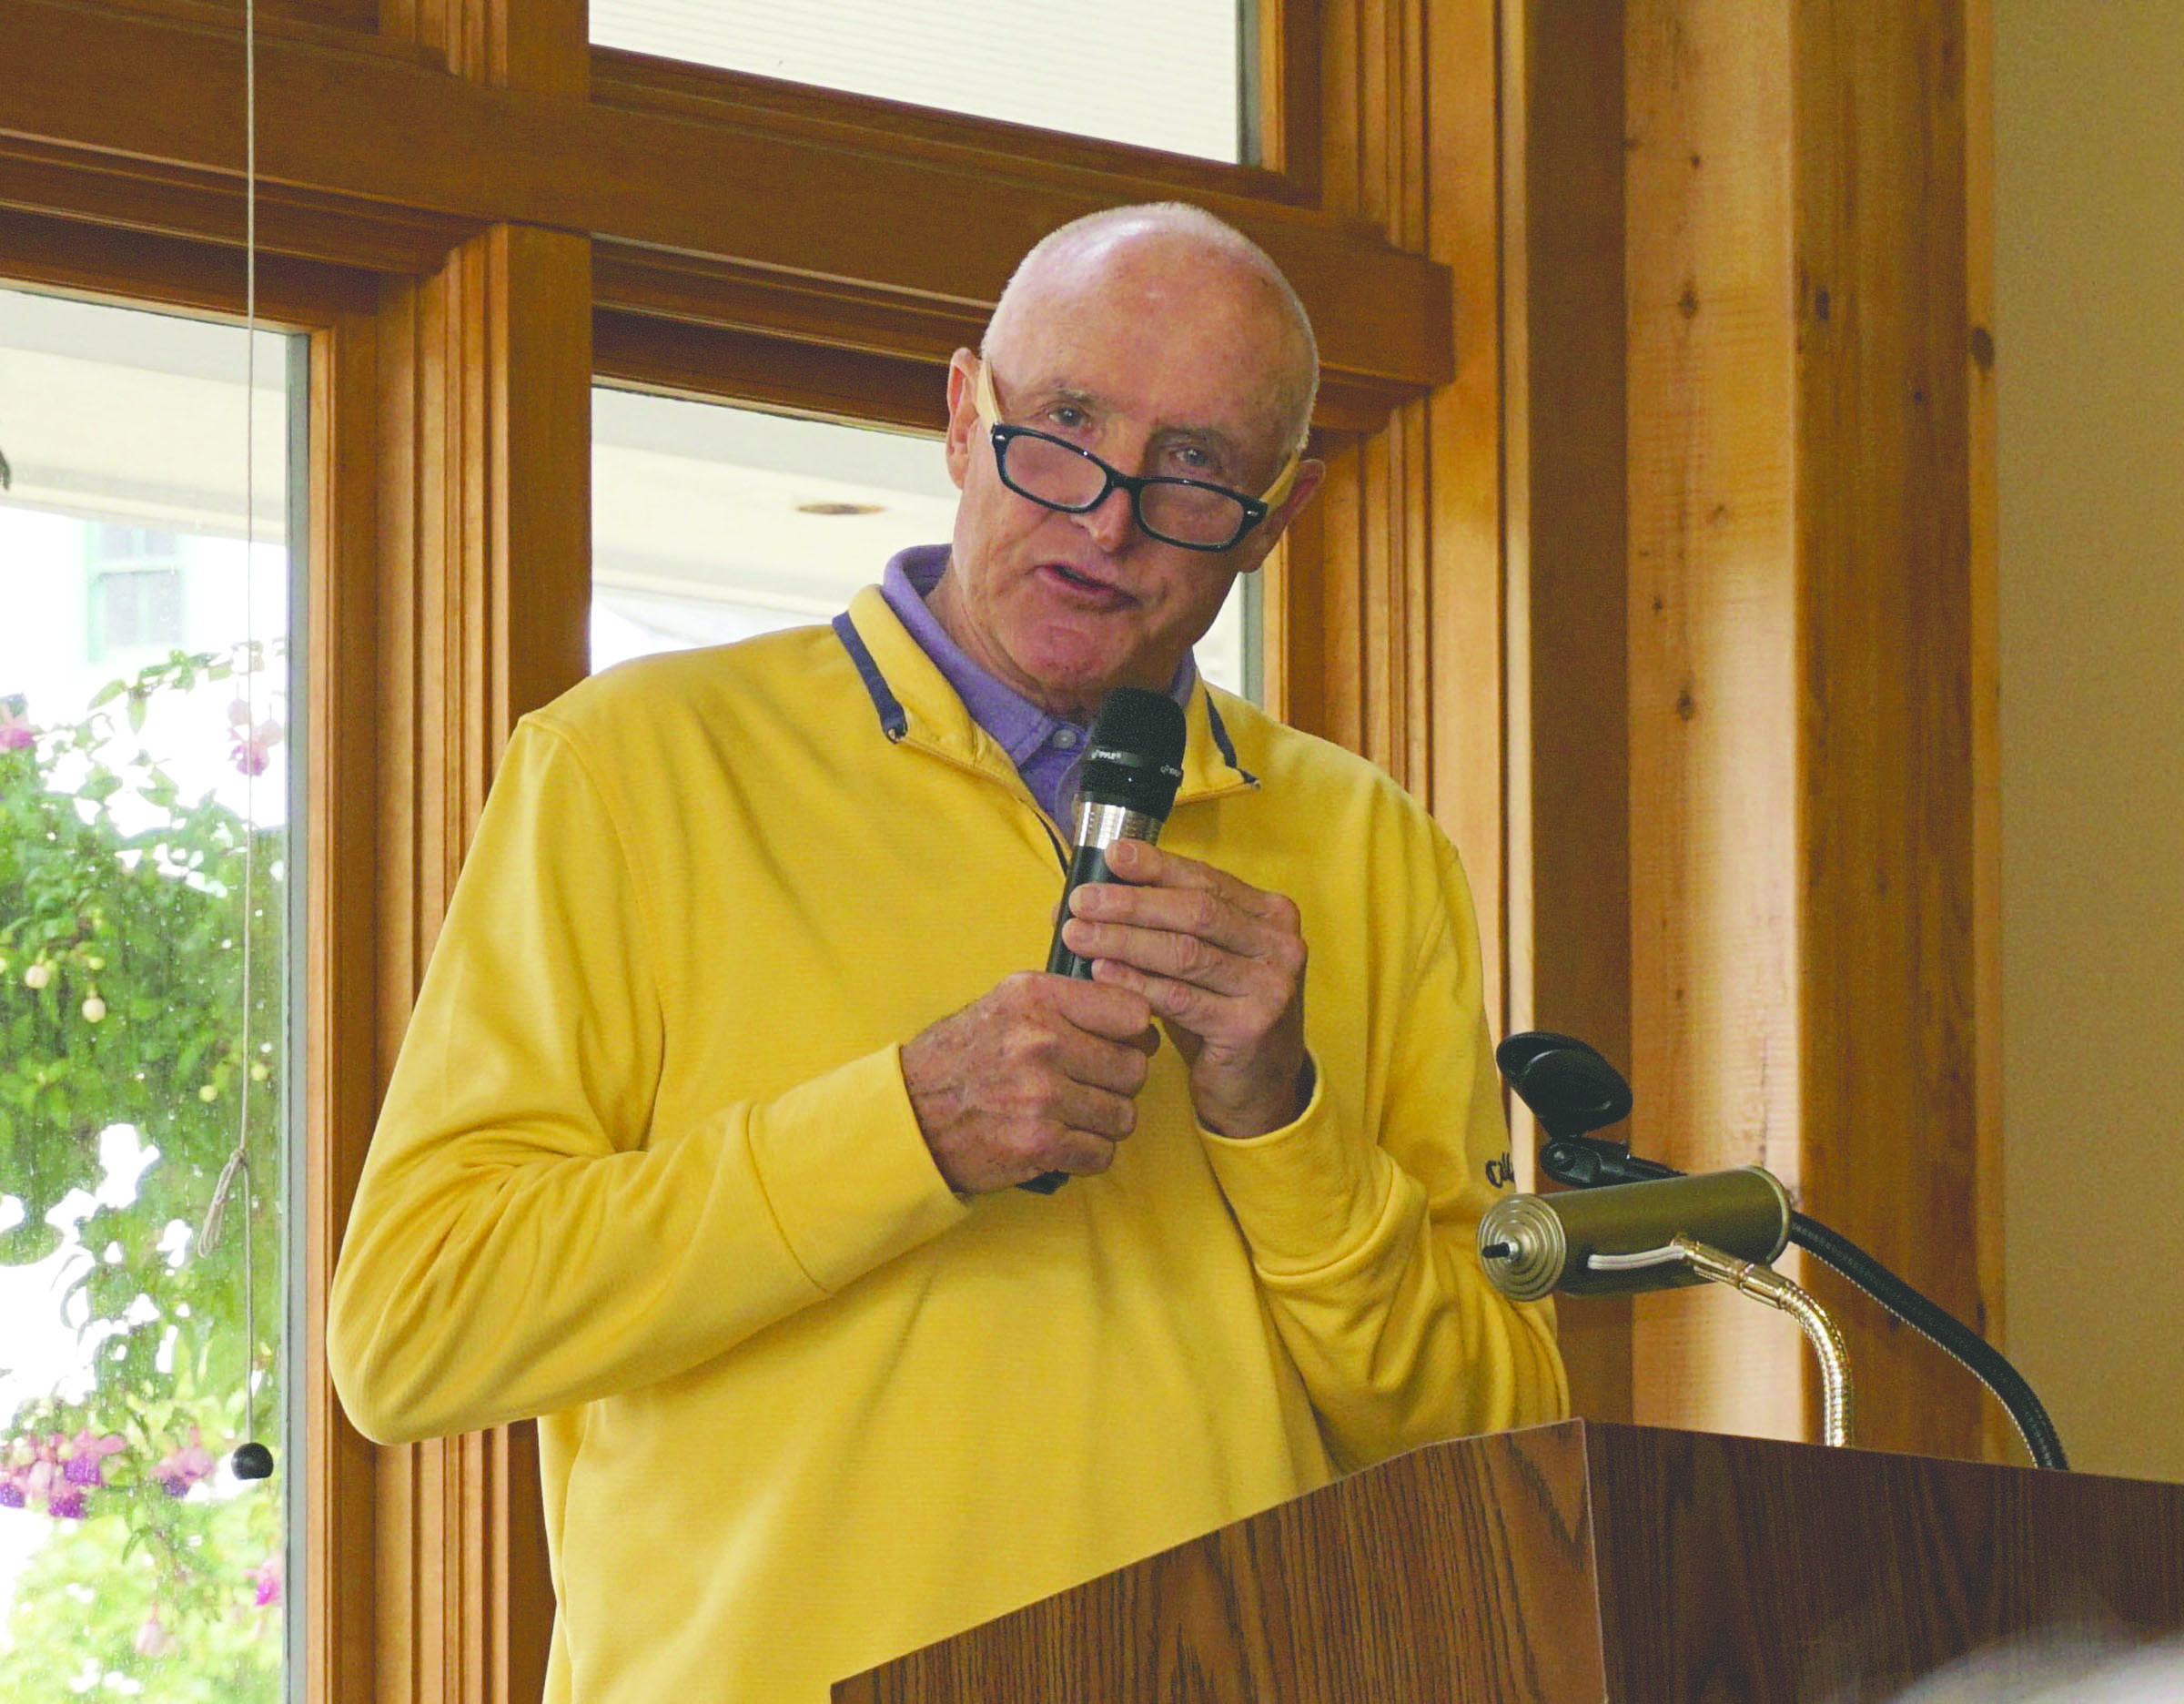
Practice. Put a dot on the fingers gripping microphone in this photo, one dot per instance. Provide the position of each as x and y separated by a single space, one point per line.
1126 788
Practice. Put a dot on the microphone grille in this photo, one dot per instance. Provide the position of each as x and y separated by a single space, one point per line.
1134 720
1135 753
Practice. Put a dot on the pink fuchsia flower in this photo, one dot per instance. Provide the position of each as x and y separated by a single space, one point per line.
84 1458
250 746
16 731
182 1469
67 1502
268 1578
154 1639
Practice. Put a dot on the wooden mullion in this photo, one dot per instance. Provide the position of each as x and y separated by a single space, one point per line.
486 381
340 1590
1462 774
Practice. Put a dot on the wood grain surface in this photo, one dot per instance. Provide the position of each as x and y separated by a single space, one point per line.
1433 1577
1582 1562
1748 1571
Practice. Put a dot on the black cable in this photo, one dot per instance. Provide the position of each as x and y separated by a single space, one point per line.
1593 1161
1946 1333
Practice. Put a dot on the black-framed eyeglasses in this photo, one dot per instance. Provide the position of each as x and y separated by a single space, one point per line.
1053 473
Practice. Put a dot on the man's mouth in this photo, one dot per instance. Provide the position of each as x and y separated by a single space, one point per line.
1084 586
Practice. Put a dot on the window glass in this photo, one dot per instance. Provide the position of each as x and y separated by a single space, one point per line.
1163 74
713 524
145 690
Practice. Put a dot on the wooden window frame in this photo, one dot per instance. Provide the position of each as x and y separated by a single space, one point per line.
536 229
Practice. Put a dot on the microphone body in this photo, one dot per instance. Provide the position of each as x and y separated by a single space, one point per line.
1531 1245
1133 763
1100 823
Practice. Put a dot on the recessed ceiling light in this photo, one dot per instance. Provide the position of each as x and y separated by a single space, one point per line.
839 508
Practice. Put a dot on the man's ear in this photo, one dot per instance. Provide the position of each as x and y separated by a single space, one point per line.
1267 533
963 414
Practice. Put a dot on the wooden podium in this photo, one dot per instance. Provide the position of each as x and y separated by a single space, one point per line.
1583 1562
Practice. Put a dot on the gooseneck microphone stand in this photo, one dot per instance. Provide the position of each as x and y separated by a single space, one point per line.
1573 1092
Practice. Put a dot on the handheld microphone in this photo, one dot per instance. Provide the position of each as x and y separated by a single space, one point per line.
1133 765
1126 788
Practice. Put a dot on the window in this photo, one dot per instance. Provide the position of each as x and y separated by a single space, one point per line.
1165 75
144 861
713 524
677 230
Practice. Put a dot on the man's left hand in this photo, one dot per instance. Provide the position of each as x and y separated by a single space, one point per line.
1221 962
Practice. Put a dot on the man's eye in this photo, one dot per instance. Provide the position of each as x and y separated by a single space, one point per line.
1069 417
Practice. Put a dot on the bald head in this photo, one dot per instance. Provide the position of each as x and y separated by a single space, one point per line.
1183 257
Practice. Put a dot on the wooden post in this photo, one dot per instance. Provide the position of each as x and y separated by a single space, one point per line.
485 383
1802 651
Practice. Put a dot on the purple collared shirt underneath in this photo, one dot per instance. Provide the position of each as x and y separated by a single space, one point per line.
1044 748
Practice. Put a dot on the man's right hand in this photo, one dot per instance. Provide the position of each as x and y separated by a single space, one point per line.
1037 1076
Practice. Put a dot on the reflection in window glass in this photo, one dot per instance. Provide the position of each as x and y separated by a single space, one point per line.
144 712
1163 74
713 524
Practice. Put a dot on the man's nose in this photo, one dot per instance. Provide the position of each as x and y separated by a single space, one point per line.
1110 522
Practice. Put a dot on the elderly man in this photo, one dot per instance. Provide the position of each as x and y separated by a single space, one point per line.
703 1142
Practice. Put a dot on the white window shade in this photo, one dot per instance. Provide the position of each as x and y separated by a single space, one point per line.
1162 74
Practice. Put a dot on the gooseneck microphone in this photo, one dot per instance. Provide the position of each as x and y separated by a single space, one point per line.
1583 1242
1126 788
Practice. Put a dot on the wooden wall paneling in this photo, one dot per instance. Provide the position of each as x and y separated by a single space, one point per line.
1886 862
1806 698
1716 1035
339 1589
1373 563
1567 449
1999 1436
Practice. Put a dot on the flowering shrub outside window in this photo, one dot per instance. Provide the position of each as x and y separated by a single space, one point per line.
121 999
144 869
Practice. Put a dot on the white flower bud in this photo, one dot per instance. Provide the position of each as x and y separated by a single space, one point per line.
38 975
209 1094
94 1009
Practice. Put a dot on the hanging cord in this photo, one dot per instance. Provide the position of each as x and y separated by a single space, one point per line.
252 1460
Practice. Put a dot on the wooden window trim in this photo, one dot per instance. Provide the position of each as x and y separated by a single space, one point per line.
476 155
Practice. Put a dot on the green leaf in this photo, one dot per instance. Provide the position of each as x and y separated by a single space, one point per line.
28 1242
138 703
107 694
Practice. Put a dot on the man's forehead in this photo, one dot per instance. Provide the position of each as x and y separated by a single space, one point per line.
1159 319
1114 351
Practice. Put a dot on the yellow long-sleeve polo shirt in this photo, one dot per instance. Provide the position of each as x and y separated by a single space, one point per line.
647 1170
